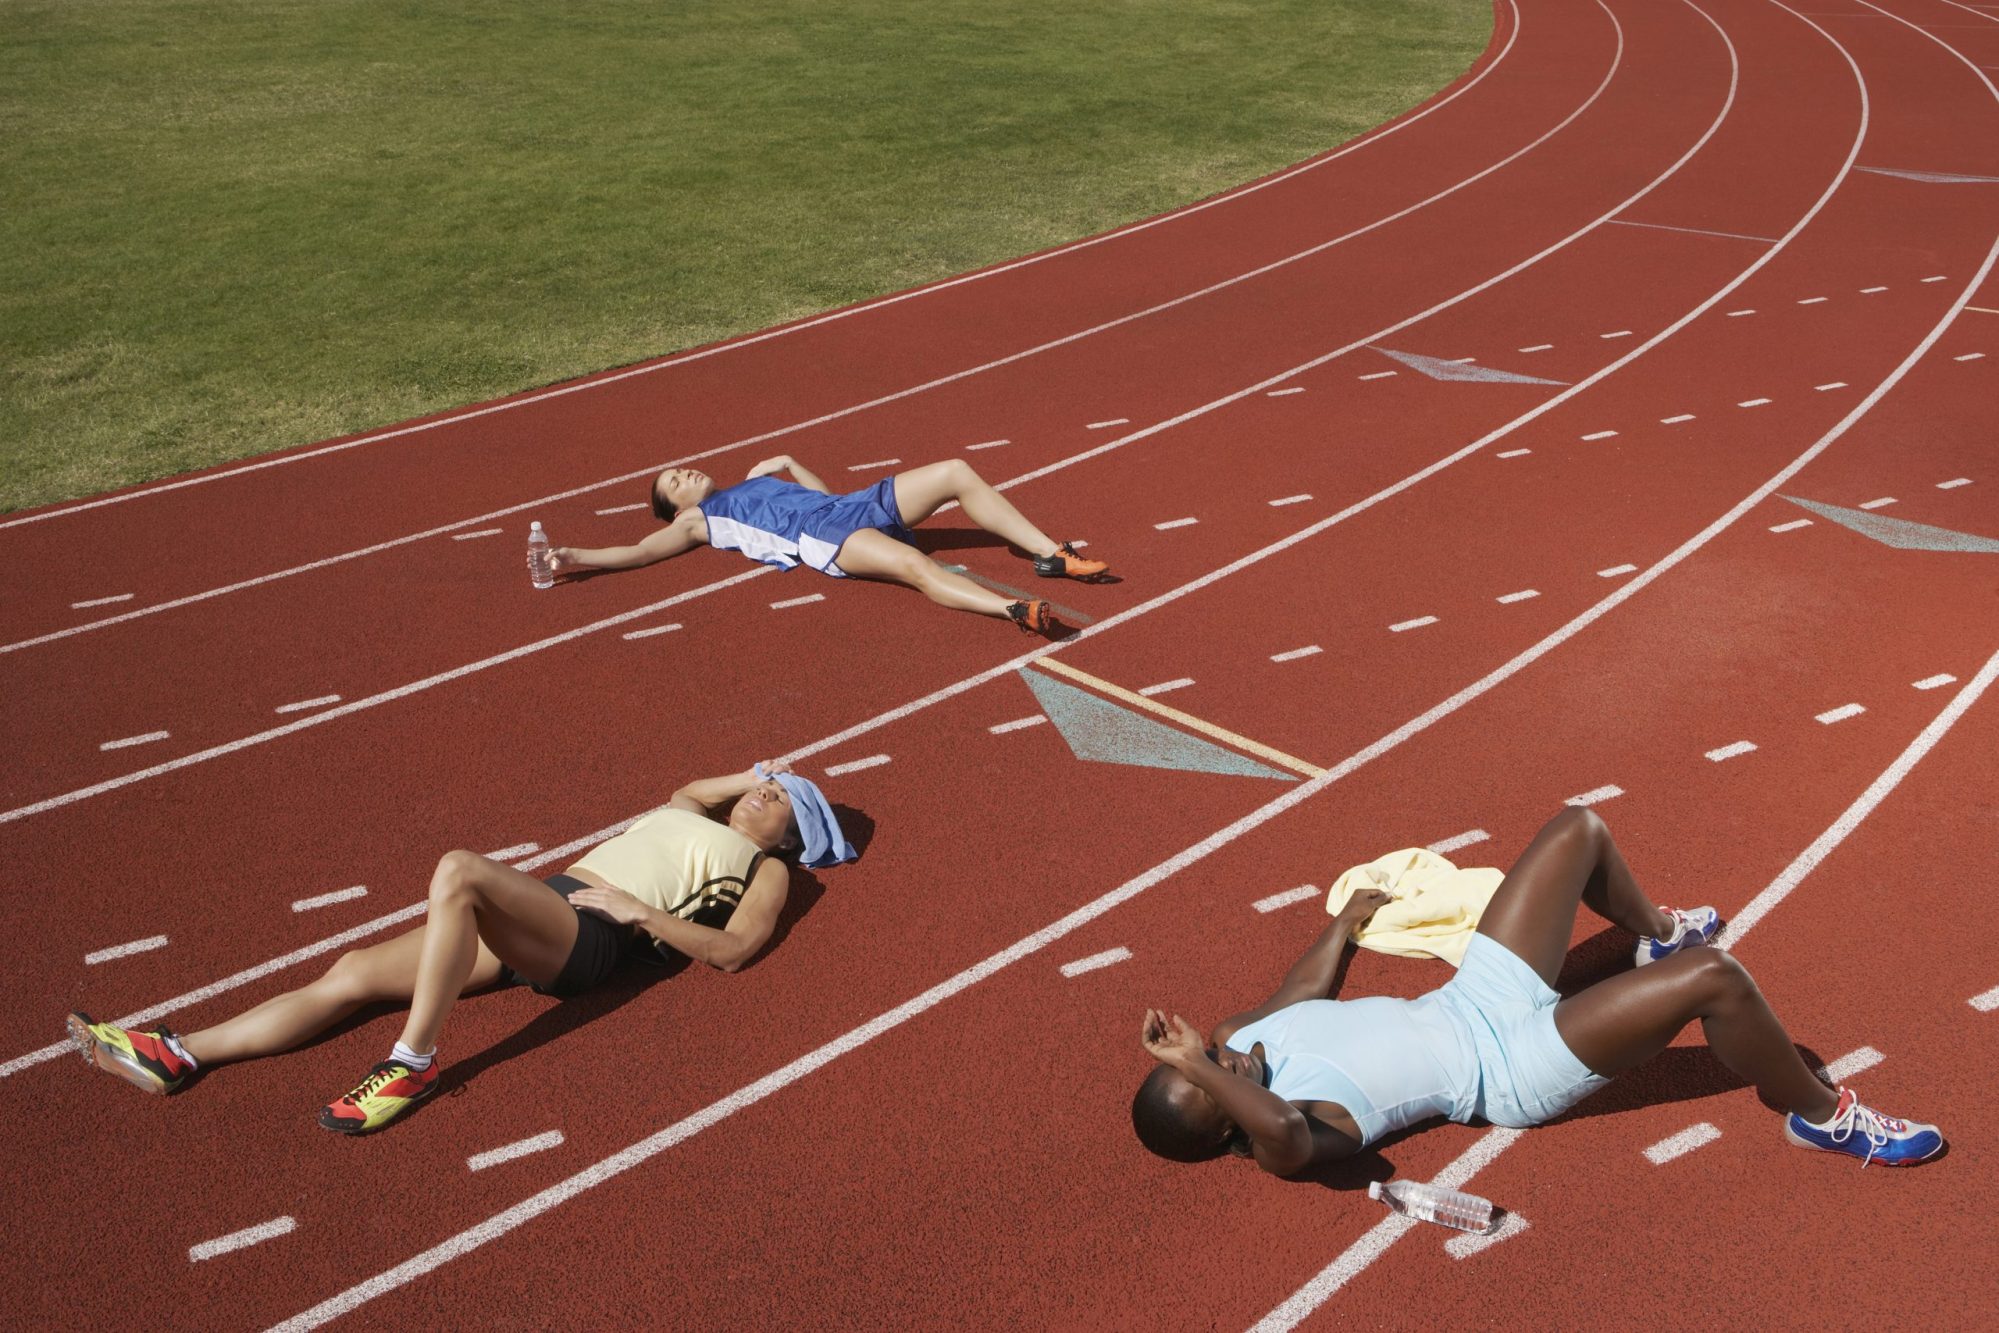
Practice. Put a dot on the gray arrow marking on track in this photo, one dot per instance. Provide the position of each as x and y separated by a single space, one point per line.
1458 370
1933 177
1899 533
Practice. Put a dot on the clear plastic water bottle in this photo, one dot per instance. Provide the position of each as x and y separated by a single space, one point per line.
1433 1203
541 572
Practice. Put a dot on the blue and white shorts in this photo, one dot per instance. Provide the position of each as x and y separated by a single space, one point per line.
827 530
1527 1073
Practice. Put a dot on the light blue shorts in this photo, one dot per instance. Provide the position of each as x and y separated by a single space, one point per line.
1527 1073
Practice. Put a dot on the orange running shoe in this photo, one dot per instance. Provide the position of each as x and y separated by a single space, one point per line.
1035 617
1066 564
389 1091
142 1059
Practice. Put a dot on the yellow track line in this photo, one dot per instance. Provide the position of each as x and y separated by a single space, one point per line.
1296 765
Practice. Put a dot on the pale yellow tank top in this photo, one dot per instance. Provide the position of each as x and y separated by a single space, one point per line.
677 861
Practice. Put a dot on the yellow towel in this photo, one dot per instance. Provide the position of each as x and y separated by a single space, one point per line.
1435 907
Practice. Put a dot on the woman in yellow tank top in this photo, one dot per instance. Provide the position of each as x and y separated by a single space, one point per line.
704 876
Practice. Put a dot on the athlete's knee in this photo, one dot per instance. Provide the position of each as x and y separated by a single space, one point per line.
1582 824
350 978
456 877
1716 973
961 474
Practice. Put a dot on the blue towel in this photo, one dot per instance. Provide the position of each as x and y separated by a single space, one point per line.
825 845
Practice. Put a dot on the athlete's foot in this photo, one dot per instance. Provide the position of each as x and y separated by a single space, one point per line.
1859 1131
383 1097
1064 563
1035 617
143 1059
1696 925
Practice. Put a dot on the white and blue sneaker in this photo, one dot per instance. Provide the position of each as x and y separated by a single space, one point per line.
1872 1137
1696 925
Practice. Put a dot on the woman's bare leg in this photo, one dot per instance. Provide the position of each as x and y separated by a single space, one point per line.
1572 859
873 554
920 492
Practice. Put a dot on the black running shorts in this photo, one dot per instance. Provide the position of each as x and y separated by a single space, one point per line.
599 946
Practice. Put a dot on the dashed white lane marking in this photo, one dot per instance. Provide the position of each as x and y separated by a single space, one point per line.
1175 523
1015 725
483 532
872 761
1620 333
1848 1065
1286 898
1986 1002
236 1240
1417 623
495 1156
146 945
1285 393
1466 1245
622 509
1881 503
1512 453
1836 384
1938 278
989 444
1933 682
1738 314
148 738
1095 961
879 462
1730 751
1614 571
1674 421
328 899
1539 347
1166 686
1296 653
1812 300
1289 500
1970 356
1682 1143
321 702
1461 360
1469 838
1953 483
1753 402
648 633
1599 435
1595 795
101 601
1869 291
1377 375
1520 596
1114 421
514 853
797 601
1840 714
1793 525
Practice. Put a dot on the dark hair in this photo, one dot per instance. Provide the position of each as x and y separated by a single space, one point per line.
662 509
1156 1115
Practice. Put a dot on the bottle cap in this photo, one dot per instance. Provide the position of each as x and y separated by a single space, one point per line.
535 526
1374 1189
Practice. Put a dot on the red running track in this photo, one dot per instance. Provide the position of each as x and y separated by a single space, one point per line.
937 1133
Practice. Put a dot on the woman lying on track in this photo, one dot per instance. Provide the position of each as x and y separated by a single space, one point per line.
1303 1079
687 878
865 534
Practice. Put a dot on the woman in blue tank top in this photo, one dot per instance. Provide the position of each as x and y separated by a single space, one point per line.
1303 1080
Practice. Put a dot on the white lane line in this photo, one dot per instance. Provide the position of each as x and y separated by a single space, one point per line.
1461 360
872 761
1730 751
1512 453
1953 483
1114 421
1521 596
1793 525
1621 333
1970 356
525 1147
514 853
1015 725
1296 653
1674 421
146 945
1813 300
1286 898
1853 1063
880 462
989 444
1881 503
483 532
328 899
1840 714
236 1240
1095 961
1166 686
1539 347
1738 314
1293 500
648 633
1417 623
146 739
1836 384
1284 393
797 601
1600 435
303 704
1377 375
622 509
1466 1245
1682 1143
1986 1001
1175 523
1595 796
1753 402
1614 571
1869 291
1938 278
1469 838
101 601
1932 682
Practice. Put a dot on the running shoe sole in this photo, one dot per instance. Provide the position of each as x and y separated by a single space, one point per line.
112 1060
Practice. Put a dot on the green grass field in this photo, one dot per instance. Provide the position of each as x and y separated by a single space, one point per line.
232 227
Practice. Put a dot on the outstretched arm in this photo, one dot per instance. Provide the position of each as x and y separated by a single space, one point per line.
683 534
1312 976
800 473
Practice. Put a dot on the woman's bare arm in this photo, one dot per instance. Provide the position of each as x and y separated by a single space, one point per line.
1283 1139
1312 976
686 532
800 473
703 795
726 950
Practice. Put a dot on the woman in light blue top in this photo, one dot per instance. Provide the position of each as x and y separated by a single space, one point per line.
1303 1079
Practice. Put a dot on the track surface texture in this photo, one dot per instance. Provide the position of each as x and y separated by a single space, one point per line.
1677 226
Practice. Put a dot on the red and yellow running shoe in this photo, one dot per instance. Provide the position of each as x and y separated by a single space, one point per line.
142 1059
390 1090
1065 563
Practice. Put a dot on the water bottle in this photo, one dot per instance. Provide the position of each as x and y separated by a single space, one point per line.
1433 1203
540 572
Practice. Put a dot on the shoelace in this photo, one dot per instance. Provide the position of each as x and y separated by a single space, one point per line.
379 1078
1872 1125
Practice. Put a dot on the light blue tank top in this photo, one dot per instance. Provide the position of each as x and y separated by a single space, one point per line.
1389 1062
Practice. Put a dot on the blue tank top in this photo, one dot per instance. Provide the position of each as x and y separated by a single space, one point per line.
767 519
1389 1062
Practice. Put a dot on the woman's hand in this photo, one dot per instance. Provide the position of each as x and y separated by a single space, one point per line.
772 767
614 905
1363 904
562 560
770 465
1171 1041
